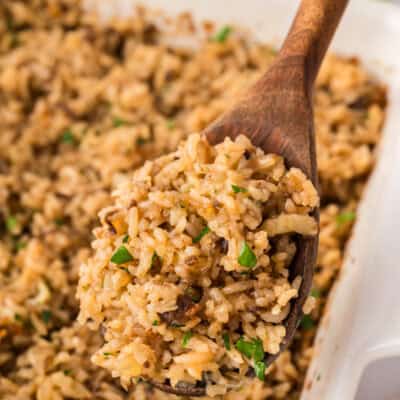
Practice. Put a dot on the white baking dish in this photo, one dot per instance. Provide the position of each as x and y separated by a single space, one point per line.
362 323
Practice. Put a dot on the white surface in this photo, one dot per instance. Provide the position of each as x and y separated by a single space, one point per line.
380 380
363 322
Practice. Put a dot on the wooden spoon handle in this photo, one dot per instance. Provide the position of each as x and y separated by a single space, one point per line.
311 32
276 113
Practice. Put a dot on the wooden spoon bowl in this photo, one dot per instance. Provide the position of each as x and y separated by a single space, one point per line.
276 113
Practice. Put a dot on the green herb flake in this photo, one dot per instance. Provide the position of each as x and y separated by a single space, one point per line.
203 232
67 372
194 293
346 216
258 353
246 348
171 124
186 337
307 323
175 325
121 256
118 122
125 239
156 322
46 316
140 141
253 349
20 245
68 137
9 23
222 34
59 221
107 354
247 258
227 342
238 189
259 369
19 318
315 292
11 223
14 42
13 35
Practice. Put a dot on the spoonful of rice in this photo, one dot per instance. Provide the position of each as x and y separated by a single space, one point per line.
203 265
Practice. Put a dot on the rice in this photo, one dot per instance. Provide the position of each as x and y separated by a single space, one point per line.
70 133
202 228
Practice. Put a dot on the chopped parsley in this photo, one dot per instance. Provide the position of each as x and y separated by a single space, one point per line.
227 342
315 292
67 372
307 323
238 189
13 35
117 122
68 137
346 216
25 322
20 245
253 349
11 223
203 232
59 221
46 316
246 257
106 354
258 354
195 293
176 325
222 34
125 239
121 256
259 369
19 318
156 322
10 23
140 141
186 337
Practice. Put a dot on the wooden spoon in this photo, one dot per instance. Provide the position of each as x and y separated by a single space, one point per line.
276 113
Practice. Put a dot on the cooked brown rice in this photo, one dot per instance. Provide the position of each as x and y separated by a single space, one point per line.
84 103
190 273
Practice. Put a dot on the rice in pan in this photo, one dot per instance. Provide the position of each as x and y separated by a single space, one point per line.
82 104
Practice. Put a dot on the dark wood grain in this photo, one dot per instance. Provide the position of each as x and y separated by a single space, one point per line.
188 390
276 113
